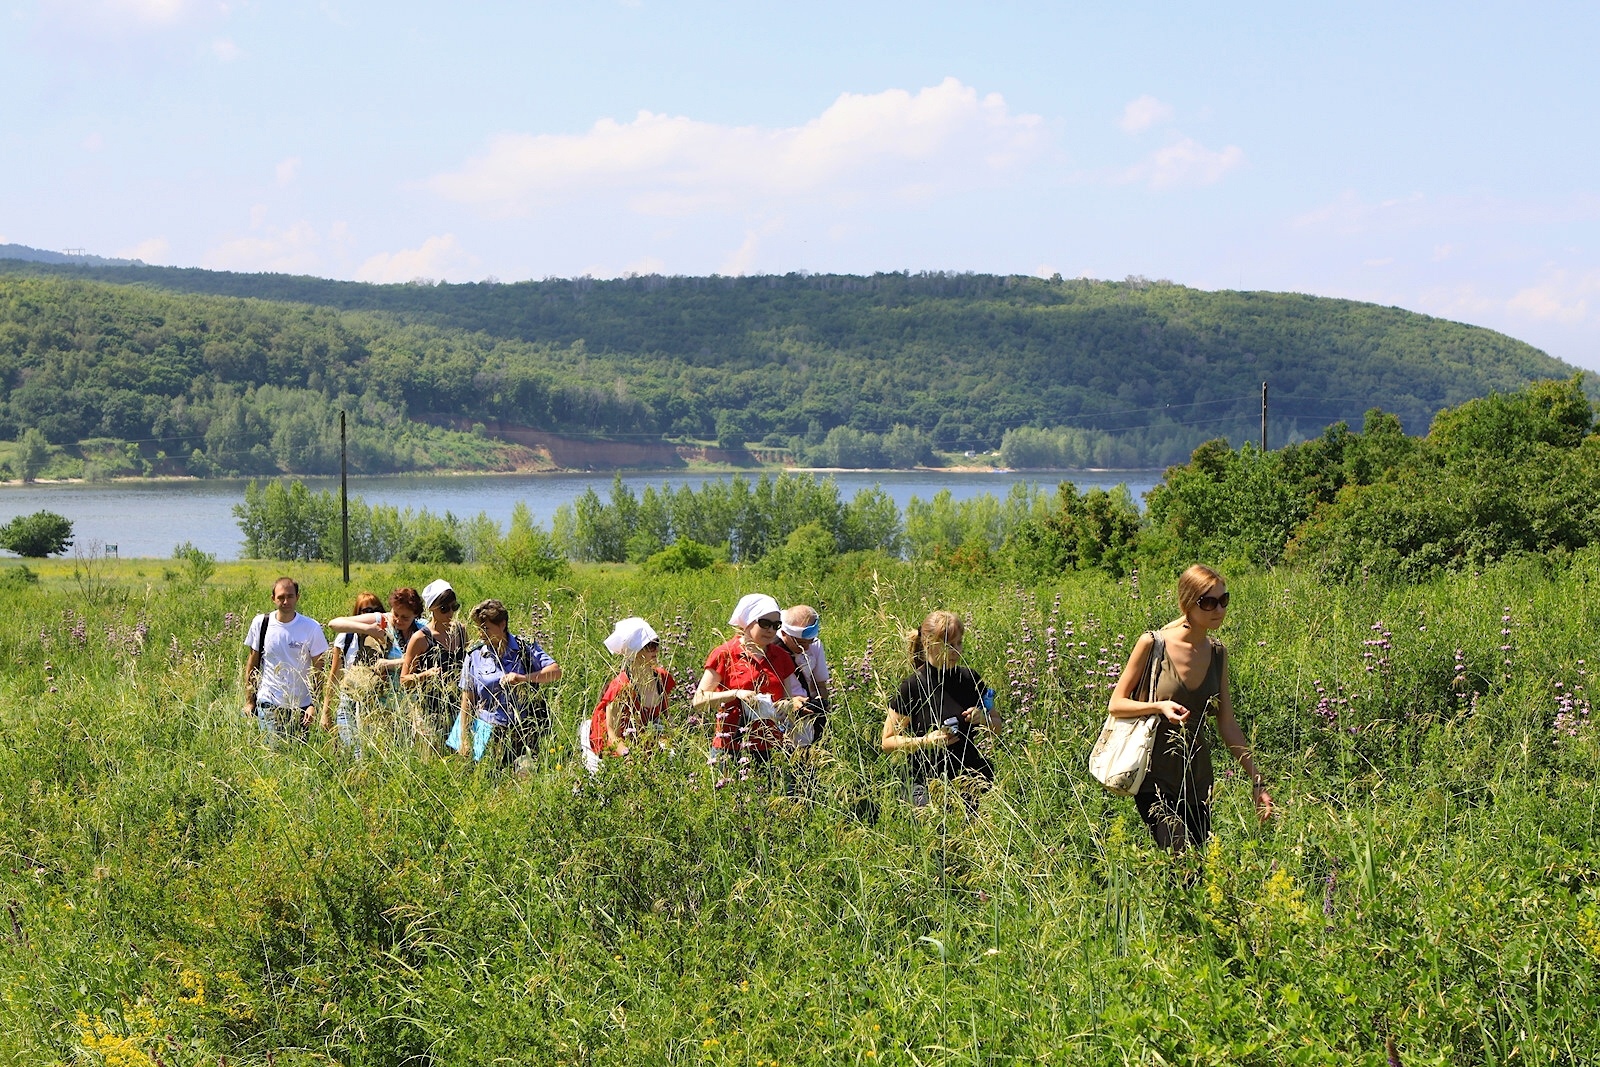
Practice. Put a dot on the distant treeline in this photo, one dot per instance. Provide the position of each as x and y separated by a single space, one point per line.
844 371
1502 476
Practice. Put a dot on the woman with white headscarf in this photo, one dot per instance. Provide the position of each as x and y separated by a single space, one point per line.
637 696
432 665
750 682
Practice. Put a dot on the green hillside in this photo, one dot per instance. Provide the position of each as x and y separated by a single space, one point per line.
826 365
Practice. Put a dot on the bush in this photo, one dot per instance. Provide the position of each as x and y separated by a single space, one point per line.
805 554
44 533
435 546
1097 529
531 553
201 565
682 556
18 577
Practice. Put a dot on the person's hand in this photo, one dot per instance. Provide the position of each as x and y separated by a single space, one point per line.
513 678
1264 808
305 717
791 706
326 721
622 748
939 737
1172 711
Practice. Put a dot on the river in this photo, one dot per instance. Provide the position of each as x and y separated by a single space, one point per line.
151 518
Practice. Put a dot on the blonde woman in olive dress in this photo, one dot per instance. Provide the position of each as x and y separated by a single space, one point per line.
1175 799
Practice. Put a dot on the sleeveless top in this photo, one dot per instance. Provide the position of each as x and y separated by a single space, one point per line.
440 698
1181 764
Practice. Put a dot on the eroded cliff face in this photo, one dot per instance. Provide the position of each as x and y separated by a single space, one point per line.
554 452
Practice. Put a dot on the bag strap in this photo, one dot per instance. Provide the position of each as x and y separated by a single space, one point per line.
261 633
1152 668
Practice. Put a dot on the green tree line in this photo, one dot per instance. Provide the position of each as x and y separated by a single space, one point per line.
1505 475
845 371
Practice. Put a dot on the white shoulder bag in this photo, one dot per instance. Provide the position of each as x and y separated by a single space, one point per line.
1121 755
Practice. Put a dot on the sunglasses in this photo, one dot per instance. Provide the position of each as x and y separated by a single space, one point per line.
769 624
1212 603
447 609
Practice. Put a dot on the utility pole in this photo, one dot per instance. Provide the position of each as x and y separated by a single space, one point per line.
1263 421
344 503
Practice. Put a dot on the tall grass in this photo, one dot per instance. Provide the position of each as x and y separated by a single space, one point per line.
176 890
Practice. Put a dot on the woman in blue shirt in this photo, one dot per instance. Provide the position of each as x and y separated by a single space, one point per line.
502 714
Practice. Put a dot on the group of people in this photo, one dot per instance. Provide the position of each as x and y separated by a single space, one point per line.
409 671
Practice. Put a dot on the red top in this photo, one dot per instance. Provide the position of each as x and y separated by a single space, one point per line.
739 669
630 713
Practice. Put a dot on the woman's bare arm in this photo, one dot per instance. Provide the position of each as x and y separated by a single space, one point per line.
1123 706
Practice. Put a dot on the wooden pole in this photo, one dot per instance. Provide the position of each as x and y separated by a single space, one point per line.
344 504
1263 418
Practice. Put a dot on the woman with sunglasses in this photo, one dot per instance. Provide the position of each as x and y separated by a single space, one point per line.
750 682
432 665
1175 799
392 632
637 696
351 678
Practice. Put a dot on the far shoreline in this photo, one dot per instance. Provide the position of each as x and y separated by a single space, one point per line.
187 479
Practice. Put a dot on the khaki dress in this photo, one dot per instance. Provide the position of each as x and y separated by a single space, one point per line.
1175 799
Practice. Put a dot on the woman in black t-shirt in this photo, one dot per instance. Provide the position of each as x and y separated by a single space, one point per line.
936 709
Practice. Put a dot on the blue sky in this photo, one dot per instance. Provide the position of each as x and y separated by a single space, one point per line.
1438 157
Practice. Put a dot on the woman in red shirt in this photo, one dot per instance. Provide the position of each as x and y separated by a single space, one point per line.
750 681
637 696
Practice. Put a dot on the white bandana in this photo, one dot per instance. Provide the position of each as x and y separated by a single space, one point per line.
629 636
751 607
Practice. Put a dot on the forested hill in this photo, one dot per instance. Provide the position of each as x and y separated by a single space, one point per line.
1120 374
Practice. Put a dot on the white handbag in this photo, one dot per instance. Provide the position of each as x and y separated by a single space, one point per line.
1121 755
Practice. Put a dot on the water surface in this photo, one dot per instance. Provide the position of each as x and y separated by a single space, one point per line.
151 518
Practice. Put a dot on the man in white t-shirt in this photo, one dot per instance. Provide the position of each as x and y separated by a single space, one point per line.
287 650
801 625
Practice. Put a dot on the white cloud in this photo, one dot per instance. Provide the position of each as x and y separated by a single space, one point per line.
1462 301
294 250
1350 214
153 10
1141 114
106 38
863 145
1561 296
153 250
646 265
437 257
111 14
1185 162
287 170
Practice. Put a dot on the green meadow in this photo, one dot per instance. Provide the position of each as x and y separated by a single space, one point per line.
1429 892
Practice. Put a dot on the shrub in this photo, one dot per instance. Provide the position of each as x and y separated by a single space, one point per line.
44 533
18 577
435 546
681 556
201 565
